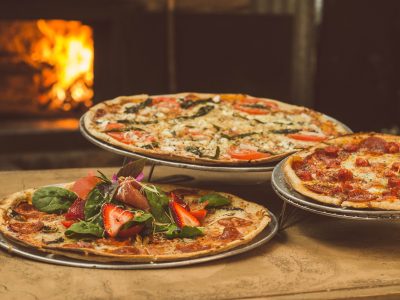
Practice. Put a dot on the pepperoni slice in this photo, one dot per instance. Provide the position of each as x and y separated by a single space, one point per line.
320 188
350 147
361 162
396 167
332 151
304 174
392 147
374 144
345 175
27 210
26 227
359 195
394 182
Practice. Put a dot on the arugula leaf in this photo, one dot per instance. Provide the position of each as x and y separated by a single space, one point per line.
93 204
174 231
53 199
202 111
195 150
151 146
103 177
127 121
133 168
215 200
242 135
141 105
190 103
84 229
128 128
285 131
158 205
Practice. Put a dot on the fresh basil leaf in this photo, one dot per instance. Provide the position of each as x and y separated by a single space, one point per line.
84 229
93 204
215 200
158 205
133 168
53 199
186 232
143 218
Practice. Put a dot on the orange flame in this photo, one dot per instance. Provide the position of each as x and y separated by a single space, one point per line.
66 53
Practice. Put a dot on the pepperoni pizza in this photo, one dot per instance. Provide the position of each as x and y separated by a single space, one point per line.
360 170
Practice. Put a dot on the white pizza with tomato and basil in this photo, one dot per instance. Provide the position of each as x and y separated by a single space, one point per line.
359 170
208 128
124 219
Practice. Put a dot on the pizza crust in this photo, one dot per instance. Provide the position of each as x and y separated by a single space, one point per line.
102 256
297 184
91 129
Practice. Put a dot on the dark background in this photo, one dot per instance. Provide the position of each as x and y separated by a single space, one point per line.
343 61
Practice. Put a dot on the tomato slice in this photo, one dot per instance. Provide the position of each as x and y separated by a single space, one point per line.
68 223
84 185
306 137
246 154
167 102
114 126
119 136
255 106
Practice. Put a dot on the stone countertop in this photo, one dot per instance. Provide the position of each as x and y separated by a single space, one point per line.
315 257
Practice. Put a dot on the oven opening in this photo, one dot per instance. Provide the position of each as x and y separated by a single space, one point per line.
46 67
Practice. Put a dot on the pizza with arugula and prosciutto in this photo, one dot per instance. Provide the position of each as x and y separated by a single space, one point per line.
124 219
360 170
208 128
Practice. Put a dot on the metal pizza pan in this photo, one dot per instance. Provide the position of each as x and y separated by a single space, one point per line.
263 237
288 194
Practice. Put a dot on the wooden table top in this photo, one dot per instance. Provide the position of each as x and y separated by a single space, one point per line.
316 257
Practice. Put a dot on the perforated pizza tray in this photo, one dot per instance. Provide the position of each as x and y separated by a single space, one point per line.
171 163
289 195
12 247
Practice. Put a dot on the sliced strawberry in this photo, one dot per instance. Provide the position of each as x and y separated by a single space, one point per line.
114 217
131 231
199 214
84 185
180 200
182 216
68 223
76 210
